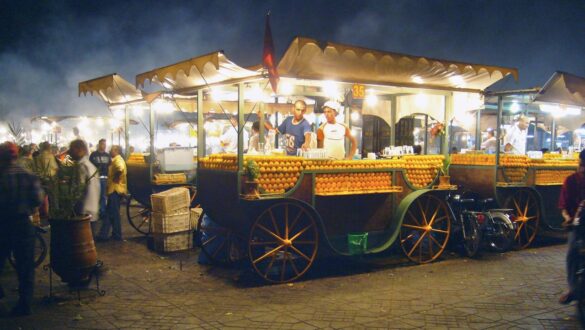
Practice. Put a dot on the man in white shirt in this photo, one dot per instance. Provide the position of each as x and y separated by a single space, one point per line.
516 136
331 135
229 139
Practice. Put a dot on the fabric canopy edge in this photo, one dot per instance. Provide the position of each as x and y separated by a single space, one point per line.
199 62
379 54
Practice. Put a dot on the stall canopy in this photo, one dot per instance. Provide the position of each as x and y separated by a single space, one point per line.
197 72
307 58
563 88
113 89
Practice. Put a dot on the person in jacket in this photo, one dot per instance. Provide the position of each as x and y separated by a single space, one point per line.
102 159
88 176
116 189
20 194
571 196
45 163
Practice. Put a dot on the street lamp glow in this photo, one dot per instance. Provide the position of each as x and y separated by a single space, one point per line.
137 111
355 116
256 94
99 122
515 107
457 80
421 100
215 94
418 80
285 88
331 89
371 99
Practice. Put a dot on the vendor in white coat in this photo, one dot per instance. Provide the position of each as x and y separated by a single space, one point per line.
331 134
516 136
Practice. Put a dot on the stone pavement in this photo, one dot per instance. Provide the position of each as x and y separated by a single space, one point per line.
517 289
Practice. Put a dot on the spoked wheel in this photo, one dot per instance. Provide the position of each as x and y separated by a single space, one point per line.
139 216
40 251
527 209
471 237
219 244
283 242
425 229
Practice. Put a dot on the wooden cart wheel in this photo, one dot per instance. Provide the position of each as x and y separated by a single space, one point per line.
283 242
425 229
139 216
527 220
219 244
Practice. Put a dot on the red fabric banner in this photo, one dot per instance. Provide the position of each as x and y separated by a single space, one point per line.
268 56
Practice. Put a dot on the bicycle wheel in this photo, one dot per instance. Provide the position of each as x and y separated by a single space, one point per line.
138 216
501 234
471 236
40 252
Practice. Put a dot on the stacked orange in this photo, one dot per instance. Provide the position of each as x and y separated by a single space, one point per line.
421 171
136 158
473 159
552 176
354 183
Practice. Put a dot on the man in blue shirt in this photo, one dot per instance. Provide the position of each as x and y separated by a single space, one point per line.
296 129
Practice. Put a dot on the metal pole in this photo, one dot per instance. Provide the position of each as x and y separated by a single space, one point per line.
200 126
261 122
448 114
478 130
126 132
553 132
240 128
393 112
499 127
426 135
151 136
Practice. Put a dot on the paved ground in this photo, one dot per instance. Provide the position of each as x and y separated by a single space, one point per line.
144 290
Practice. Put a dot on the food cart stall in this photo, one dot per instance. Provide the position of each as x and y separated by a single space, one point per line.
527 183
307 205
135 114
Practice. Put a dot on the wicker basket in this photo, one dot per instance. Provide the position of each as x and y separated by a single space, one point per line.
170 200
195 216
173 242
166 223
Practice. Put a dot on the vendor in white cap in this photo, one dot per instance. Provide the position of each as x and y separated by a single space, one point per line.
331 134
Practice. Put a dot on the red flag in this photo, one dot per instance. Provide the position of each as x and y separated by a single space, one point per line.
268 56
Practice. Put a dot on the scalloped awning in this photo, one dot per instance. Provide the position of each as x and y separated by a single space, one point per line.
311 59
111 88
195 72
563 88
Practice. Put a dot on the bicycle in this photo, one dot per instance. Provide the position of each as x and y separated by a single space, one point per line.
40 248
492 227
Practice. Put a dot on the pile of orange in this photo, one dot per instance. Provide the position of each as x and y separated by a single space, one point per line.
473 159
552 176
136 158
554 162
514 160
421 171
222 162
328 164
354 183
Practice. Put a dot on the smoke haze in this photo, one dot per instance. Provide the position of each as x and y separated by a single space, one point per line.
48 47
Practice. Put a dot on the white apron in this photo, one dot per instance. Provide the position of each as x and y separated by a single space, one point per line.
334 140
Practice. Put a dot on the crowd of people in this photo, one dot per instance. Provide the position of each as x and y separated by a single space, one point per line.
23 198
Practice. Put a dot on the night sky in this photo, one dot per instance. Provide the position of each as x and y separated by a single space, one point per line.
47 47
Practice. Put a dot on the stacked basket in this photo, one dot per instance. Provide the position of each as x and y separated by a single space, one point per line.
171 224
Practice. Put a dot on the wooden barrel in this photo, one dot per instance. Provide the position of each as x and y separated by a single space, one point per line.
73 253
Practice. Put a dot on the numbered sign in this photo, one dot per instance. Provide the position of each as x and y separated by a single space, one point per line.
358 91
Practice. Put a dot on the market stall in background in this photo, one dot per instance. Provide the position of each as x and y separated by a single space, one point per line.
525 171
391 102
152 125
